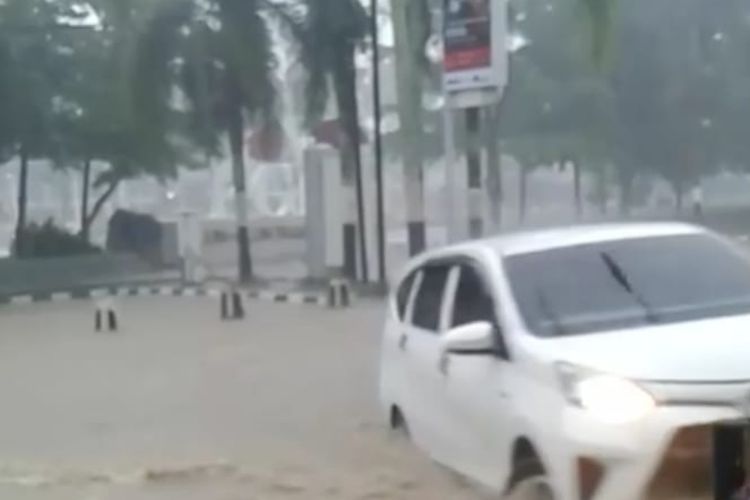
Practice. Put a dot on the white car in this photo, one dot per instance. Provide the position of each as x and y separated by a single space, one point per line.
590 363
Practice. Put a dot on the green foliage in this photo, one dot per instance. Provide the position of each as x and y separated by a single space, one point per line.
600 15
558 106
6 98
217 53
672 103
67 92
676 89
105 83
47 241
32 64
328 35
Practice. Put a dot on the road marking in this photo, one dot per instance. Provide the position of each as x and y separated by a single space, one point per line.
61 297
99 293
22 300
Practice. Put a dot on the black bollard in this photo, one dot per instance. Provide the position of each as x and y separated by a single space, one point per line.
105 318
332 296
232 306
112 318
346 299
225 306
238 306
339 294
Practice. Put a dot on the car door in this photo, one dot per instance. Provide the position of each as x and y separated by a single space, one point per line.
393 382
475 386
421 348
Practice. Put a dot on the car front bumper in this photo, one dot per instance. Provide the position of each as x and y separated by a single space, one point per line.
670 455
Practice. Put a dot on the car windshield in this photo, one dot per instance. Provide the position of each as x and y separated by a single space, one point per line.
629 284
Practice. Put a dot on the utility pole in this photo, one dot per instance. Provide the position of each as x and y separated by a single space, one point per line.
474 168
453 217
475 75
405 16
494 167
377 117
360 182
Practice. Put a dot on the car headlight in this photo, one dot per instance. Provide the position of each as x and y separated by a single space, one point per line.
611 399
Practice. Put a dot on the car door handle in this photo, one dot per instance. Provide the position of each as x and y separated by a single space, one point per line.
403 342
444 365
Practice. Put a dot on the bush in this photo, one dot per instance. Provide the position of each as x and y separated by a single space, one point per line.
48 240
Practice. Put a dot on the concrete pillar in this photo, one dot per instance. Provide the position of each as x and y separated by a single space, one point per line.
190 242
371 221
407 16
325 207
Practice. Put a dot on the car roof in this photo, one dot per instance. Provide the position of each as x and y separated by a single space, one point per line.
548 239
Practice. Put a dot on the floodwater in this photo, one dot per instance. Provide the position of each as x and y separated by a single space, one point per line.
179 405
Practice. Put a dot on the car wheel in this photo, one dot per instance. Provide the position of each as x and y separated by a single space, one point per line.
530 482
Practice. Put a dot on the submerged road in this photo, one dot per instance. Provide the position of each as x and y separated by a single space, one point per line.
181 406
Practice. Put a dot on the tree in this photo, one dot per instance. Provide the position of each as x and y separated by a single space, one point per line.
558 107
100 87
6 100
329 36
668 105
219 53
671 93
32 63
600 14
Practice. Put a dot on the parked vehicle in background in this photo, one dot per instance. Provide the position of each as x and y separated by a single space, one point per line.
601 363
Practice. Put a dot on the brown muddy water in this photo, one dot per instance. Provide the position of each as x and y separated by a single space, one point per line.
181 406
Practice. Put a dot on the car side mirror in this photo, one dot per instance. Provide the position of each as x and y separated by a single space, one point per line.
474 338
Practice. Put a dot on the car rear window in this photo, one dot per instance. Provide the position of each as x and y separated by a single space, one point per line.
629 284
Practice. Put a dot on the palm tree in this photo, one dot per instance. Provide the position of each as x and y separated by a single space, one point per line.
219 53
600 15
329 35
6 98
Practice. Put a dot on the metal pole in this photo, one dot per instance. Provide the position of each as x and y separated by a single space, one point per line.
474 167
377 117
453 219
451 177
360 187
494 167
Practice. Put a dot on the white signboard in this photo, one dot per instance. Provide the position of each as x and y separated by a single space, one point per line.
476 57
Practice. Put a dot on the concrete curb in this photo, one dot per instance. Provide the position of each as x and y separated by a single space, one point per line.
296 298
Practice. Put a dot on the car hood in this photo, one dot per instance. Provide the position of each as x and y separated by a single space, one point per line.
716 350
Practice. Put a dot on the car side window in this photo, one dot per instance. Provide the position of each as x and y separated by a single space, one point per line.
428 303
403 294
473 301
